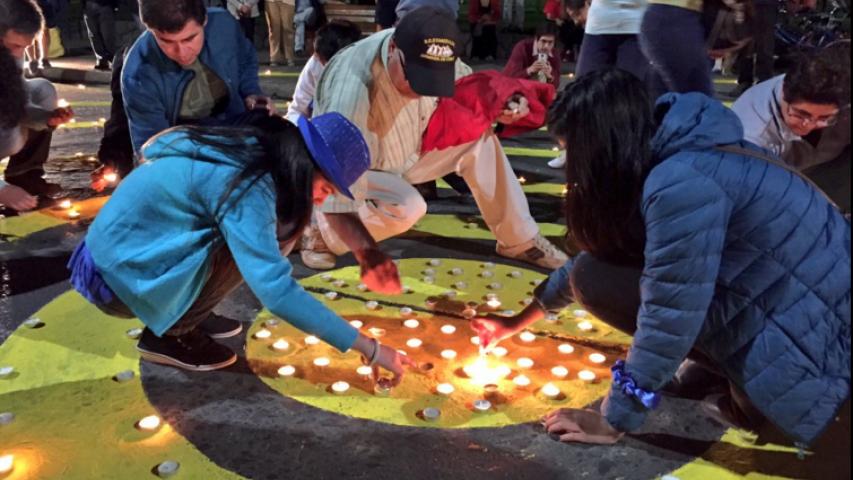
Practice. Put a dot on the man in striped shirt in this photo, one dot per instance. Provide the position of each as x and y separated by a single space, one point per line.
387 85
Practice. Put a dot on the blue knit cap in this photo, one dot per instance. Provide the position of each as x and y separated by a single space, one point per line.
337 147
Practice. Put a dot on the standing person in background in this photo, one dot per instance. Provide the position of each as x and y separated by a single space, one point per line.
13 97
536 58
280 21
513 15
756 59
672 37
38 51
484 15
309 13
20 22
101 25
245 11
386 15
330 39
610 38
571 20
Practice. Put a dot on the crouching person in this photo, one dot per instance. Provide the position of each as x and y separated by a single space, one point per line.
701 246
212 207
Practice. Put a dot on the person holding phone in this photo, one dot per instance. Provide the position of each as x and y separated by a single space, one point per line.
536 58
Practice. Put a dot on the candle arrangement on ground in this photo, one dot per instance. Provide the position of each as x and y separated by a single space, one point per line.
552 364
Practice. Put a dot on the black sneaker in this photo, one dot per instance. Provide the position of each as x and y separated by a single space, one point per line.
695 382
193 351
218 327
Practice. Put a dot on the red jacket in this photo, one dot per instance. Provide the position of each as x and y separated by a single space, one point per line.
474 10
478 101
522 58
553 9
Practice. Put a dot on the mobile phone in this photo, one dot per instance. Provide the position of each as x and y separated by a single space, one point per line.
543 57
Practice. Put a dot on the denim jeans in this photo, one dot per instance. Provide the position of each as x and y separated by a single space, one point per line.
673 39
299 20
621 51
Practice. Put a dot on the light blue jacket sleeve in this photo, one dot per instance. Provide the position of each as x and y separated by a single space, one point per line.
686 217
249 228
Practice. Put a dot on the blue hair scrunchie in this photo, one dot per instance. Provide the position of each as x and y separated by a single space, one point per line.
629 387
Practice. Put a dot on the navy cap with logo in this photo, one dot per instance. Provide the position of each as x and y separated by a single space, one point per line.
429 40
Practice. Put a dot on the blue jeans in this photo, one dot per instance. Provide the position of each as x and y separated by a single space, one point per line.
673 39
621 51
300 19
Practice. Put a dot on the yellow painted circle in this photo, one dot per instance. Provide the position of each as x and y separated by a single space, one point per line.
433 306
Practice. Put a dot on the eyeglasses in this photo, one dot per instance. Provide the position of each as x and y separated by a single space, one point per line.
805 118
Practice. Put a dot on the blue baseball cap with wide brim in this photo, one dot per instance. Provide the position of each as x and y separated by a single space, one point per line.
338 148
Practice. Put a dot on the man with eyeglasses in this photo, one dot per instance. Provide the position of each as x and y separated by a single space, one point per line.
804 118
803 115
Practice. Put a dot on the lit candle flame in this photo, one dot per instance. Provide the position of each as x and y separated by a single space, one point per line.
322 362
73 214
356 323
281 344
527 337
560 371
521 381
482 372
340 387
565 348
7 463
62 103
411 323
597 358
550 390
287 371
414 342
263 333
444 388
311 340
586 375
66 204
448 329
448 354
150 423
364 371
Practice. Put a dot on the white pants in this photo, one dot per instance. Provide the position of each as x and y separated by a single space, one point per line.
392 205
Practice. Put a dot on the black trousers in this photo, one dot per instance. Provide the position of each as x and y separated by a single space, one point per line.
101 24
485 44
612 293
116 151
756 59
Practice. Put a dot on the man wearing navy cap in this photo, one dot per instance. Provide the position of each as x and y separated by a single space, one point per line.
387 86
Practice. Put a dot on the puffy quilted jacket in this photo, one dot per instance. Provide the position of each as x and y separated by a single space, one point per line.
744 261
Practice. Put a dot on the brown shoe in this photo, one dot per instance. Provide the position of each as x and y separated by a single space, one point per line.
313 250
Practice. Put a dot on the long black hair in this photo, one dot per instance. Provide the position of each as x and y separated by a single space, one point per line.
606 121
13 97
280 152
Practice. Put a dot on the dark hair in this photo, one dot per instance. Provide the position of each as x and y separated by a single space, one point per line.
171 15
334 36
23 16
13 97
280 152
823 78
575 5
545 30
606 120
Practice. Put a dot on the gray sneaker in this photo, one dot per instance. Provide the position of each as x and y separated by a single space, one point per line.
313 250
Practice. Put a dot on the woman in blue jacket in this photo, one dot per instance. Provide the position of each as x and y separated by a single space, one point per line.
700 249
208 208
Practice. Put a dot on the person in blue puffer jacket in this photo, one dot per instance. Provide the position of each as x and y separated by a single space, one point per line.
698 244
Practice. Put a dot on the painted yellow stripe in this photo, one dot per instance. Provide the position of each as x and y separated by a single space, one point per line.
530 152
